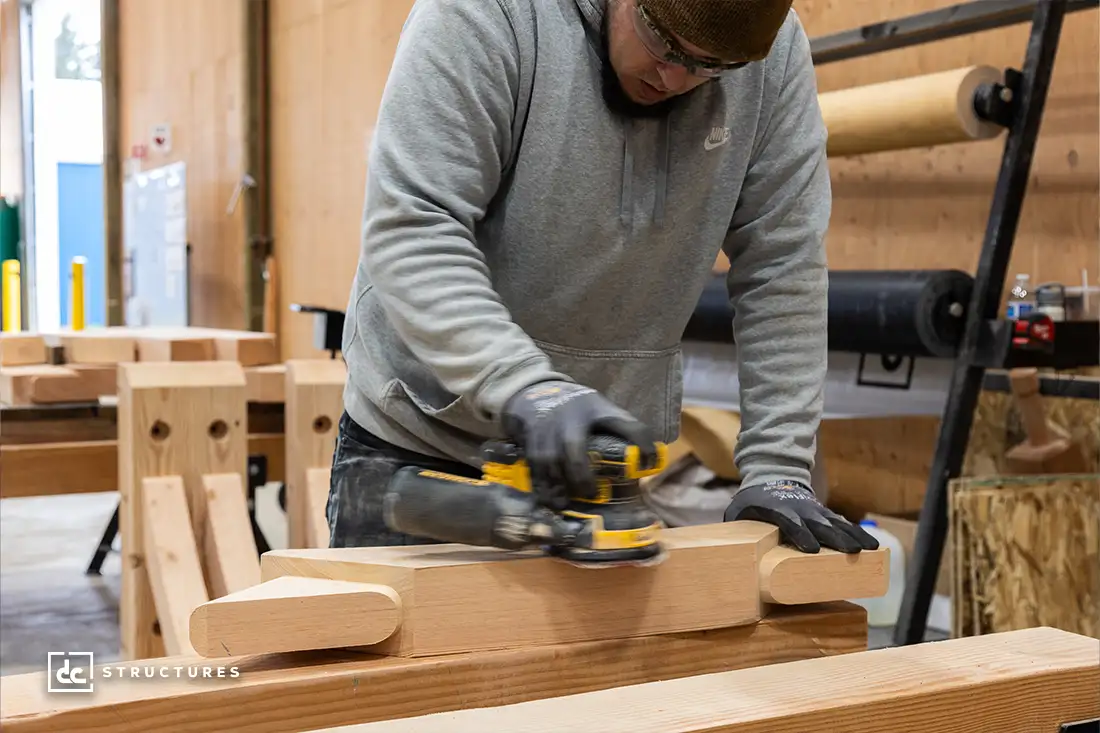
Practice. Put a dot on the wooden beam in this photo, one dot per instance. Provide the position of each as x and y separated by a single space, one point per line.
1026 681
290 614
524 599
287 693
266 383
91 466
172 559
20 349
232 558
45 384
318 481
314 403
247 349
174 419
49 469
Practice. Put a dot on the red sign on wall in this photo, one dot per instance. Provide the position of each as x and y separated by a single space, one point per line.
139 151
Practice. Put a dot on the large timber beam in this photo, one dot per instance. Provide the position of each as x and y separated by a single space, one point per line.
427 600
282 693
1029 681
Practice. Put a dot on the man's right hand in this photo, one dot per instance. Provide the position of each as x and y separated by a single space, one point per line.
553 421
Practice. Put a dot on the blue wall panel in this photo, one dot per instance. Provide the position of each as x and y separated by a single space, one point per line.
80 232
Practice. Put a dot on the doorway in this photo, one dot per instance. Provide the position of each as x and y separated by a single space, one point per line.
67 152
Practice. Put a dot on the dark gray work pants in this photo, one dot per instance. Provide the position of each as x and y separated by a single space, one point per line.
362 466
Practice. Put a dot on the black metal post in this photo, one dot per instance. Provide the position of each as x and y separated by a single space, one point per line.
1028 99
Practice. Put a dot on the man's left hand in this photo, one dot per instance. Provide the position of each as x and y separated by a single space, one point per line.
803 521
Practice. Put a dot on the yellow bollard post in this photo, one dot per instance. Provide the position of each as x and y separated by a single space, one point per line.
13 312
76 293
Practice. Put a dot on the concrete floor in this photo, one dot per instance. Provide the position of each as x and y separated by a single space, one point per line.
47 603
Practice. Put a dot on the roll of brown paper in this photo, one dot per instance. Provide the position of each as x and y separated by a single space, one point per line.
919 111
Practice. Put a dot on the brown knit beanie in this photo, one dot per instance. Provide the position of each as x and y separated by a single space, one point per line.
732 30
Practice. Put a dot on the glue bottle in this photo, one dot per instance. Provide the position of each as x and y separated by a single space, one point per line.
1021 300
884 610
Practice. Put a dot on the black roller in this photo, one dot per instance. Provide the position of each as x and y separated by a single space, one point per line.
902 312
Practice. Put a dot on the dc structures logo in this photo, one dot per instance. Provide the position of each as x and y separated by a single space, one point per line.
69 671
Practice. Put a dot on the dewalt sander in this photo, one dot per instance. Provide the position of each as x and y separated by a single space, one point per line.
611 527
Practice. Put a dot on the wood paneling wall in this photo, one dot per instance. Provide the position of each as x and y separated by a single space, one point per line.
182 65
928 208
329 63
11 103
915 209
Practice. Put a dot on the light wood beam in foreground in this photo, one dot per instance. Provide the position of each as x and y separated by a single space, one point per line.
287 693
1028 681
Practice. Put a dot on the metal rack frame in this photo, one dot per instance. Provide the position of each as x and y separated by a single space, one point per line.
986 340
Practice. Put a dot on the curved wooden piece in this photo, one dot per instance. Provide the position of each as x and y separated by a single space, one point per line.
933 109
789 577
289 614
458 598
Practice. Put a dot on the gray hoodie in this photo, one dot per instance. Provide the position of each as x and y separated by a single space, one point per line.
515 230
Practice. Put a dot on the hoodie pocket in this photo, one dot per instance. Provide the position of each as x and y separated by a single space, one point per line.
400 399
646 383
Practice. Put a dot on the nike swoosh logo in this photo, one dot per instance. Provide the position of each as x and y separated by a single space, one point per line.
708 145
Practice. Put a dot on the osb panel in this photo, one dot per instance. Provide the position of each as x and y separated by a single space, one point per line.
182 65
1026 554
997 428
914 209
927 208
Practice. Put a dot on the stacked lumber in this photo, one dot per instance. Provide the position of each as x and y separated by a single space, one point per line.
81 366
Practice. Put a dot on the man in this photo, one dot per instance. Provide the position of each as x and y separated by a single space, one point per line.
550 183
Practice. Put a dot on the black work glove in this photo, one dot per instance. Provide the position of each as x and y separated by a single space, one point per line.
803 521
552 421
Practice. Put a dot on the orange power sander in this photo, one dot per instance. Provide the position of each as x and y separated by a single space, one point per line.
612 526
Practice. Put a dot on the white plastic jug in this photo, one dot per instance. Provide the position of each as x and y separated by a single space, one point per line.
883 611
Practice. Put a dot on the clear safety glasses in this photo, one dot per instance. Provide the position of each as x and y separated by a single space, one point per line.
663 48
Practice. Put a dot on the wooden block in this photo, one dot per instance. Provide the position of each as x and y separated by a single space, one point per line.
44 384
90 466
174 419
99 346
101 379
290 614
1018 682
46 469
314 403
20 349
712 435
175 571
230 549
318 481
266 383
175 348
247 348
306 691
527 599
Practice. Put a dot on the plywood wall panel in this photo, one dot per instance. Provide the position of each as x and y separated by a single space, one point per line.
330 60
182 64
915 209
928 208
